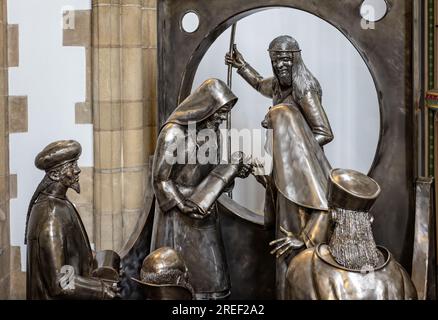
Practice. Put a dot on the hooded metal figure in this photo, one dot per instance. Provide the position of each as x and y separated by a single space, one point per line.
182 180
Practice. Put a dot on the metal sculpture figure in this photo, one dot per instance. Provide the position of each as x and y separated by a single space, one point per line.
295 192
350 266
59 257
187 186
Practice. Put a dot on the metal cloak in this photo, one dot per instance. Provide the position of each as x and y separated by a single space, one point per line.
301 169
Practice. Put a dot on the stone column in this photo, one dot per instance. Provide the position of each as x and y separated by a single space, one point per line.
107 123
133 166
150 72
5 250
124 90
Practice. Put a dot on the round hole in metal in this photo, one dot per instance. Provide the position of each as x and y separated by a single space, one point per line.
374 10
190 22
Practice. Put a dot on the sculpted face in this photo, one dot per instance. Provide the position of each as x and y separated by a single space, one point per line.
69 176
218 117
282 64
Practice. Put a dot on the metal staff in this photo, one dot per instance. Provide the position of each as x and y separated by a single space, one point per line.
229 83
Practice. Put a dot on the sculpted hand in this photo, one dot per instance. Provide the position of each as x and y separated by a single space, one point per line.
245 168
111 290
190 210
244 171
236 60
258 173
284 245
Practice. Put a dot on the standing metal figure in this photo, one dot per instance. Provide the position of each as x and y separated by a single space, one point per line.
351 266
59 257
186 187
295 192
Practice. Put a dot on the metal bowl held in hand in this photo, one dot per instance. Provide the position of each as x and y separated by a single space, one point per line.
107 266
205 194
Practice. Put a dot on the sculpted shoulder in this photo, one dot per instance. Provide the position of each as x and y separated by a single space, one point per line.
48 213
171 131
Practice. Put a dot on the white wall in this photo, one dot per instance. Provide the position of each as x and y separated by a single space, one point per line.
53 78
349 94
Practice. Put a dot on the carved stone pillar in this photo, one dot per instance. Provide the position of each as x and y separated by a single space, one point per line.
124 123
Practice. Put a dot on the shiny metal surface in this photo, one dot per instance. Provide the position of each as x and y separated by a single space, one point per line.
178 223
422 263
210 189
56 237
107 265
352 190
300 168
203 102
164 276
296 192
230 85
351 266
241 211
314 275
299 177
284 44
390 64
300 128
350 196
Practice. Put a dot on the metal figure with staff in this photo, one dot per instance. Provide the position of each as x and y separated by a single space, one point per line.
295 192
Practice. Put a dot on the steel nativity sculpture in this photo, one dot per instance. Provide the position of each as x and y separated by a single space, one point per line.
182 238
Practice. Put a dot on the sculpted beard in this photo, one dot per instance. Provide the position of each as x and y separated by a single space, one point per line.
76 187
352 244
285 78
69 178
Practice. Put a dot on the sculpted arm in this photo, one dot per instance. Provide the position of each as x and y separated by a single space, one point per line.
209 190
264 86
316 118
170 141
